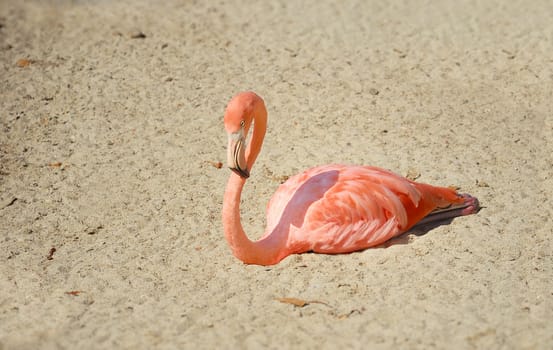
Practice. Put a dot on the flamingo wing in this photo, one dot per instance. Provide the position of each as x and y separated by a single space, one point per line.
338 208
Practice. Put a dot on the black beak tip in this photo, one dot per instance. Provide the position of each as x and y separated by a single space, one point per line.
244 173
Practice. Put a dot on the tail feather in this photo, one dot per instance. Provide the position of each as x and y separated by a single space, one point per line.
469 205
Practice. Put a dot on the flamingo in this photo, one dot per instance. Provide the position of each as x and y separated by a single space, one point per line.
327 209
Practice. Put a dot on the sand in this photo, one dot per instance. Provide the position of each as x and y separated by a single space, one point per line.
111 131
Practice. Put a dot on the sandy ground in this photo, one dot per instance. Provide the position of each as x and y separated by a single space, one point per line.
111 124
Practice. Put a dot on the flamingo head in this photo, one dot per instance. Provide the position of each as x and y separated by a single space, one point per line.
238 119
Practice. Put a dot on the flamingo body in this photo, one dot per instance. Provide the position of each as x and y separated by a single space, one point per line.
340 209
327 209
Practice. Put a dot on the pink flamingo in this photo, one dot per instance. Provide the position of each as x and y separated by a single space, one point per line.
327 209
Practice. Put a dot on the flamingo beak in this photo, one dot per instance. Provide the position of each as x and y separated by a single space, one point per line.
236 154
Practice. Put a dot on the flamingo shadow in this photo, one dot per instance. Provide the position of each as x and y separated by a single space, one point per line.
417 230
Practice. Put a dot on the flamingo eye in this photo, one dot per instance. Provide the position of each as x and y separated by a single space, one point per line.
242 123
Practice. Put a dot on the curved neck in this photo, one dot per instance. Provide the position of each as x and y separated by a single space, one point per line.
263 252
